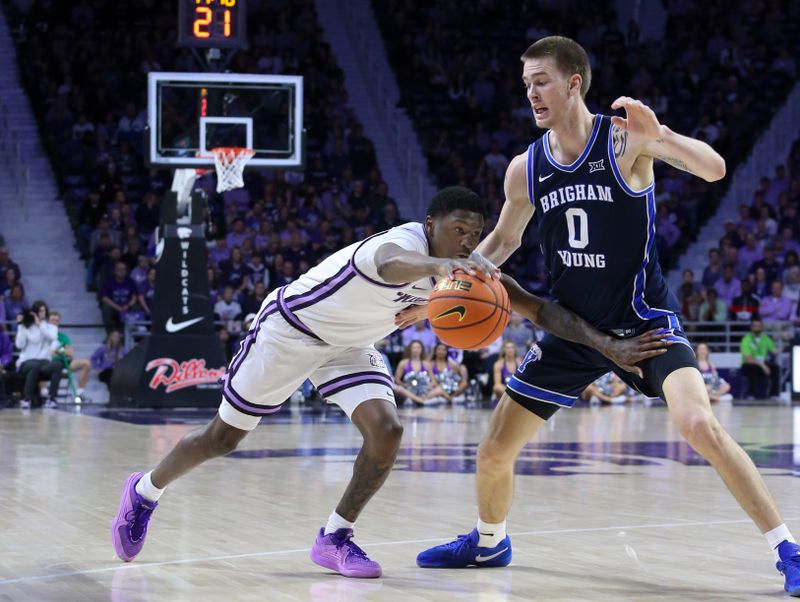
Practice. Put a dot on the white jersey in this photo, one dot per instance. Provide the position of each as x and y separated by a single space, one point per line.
343 301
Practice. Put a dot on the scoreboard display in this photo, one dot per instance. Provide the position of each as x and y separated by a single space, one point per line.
212 23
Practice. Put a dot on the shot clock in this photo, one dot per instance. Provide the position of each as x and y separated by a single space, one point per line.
212 23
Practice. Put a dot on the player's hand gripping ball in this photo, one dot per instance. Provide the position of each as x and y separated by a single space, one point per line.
468 312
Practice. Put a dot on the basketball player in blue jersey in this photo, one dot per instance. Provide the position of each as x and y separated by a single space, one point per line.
589 182
322 326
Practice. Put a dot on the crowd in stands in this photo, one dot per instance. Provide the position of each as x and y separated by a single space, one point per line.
85 64
91 105
427 371
458 67
753 271
41 355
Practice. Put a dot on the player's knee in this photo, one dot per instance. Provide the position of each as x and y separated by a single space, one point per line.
386 438
493 456
394 432
702 431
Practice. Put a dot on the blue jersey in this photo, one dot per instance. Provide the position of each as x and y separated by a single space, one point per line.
598 235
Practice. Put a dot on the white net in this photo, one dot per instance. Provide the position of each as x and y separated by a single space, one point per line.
230 162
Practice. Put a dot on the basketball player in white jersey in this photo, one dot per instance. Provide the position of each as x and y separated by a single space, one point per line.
322 326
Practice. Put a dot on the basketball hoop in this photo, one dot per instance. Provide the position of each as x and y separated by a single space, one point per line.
230 162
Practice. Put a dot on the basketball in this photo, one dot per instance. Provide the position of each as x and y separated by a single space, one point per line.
468 312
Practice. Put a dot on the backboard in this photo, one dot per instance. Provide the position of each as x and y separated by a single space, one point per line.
191 113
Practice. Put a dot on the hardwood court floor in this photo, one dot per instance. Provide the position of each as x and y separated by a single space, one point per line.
610 505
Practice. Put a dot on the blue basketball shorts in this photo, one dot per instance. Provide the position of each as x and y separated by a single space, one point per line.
555 372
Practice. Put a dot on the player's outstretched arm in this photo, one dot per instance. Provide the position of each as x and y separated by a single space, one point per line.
397 265
517 211
641 131
553 318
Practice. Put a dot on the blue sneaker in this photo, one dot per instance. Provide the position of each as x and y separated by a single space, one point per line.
464 552
789 566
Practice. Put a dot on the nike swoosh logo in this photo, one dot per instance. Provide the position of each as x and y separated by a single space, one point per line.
542 179
480 558
458 309
417 288
176 326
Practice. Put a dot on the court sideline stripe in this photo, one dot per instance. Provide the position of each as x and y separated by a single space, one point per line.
144 565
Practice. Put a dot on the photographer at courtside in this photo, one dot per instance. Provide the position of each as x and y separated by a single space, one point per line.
34 338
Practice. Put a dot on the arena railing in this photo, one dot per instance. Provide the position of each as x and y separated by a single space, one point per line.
726 337
721 337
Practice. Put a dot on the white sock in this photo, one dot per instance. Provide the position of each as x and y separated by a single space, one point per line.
776 536
147 490
490 534
336 522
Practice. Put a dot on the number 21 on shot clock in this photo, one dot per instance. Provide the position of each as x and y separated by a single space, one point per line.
212 23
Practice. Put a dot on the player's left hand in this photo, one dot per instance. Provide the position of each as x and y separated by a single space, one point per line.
626 353
639 118
410 315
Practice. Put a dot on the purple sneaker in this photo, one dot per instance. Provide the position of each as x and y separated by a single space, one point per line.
337 552
130 526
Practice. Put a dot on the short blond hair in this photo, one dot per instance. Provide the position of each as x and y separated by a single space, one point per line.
569 56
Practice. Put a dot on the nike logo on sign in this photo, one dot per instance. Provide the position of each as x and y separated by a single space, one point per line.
542 179
458 309
176 326
480 558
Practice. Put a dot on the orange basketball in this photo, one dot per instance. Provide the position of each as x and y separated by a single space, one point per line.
467 312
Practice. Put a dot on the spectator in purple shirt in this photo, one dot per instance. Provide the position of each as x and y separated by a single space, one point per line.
746 222
105 358
118 297
234 272
6 365
728 286
750 252
265 233
238 197
775 307
6 351
8 280
771 267
6 263
15 303
255 216
421 332
666 228
237 235
731 256
219 252
139 273
777 185
713 270
732 233
761 286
